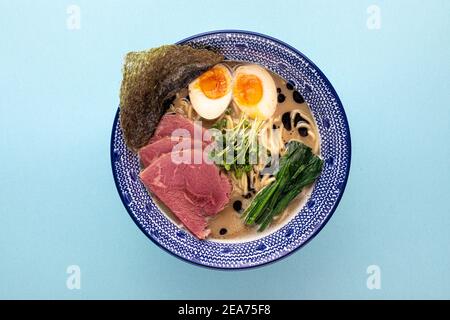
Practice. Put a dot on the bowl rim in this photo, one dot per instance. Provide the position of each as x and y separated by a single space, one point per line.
325 221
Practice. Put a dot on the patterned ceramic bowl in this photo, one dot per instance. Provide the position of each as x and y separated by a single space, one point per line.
331 120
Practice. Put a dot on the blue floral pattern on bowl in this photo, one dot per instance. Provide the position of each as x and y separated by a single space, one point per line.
326 194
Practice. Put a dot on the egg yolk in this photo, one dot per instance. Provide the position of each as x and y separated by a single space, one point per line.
214 83
248 90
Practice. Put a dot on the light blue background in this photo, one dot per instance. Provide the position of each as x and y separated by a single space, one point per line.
58 203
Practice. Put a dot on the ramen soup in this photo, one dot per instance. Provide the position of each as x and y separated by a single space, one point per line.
228 150
292 120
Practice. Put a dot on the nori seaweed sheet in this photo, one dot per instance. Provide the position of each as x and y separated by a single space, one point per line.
150 79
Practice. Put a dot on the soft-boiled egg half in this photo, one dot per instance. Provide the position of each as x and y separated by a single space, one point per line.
210 94
254 91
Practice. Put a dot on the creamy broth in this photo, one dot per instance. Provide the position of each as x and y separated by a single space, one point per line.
228 225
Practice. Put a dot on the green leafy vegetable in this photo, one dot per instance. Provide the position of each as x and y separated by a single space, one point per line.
237 149
220 125
299 167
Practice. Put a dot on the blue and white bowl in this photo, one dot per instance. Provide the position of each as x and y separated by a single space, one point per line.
333 127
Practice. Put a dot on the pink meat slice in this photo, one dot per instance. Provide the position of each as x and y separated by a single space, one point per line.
192 192
166 145
184 210
171 122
